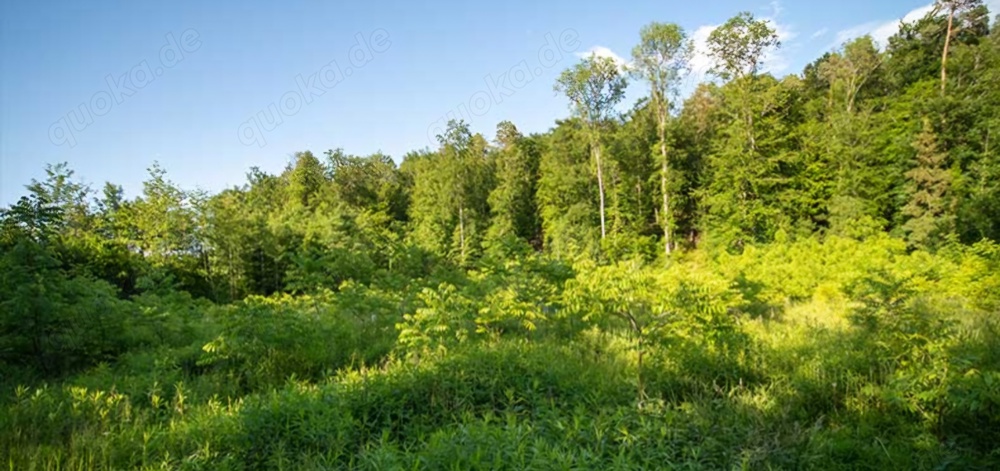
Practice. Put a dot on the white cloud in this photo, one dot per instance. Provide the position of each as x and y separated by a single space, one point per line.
845 35
881 31
601 51
775 61
700 61
882 34
776 8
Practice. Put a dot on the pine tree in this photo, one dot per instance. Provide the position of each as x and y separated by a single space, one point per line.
305 179
929 208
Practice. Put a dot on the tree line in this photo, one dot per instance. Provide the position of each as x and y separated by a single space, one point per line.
865 140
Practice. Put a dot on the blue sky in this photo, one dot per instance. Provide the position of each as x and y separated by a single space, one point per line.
210 89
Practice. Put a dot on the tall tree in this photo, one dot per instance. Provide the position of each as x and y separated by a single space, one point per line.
954 8
737 49
449 211
162 217
661 58
741 173
63 190
842 136
305 178
512 201
929 210
566 193
630 171
694 133
594 86
228 235
849 71
371 183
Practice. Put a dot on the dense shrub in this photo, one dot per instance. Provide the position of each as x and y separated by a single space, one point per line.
533 364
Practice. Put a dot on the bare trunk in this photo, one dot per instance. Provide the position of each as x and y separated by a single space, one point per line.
944 55
232 276
665 169
638 196
461 231
600 182
749 118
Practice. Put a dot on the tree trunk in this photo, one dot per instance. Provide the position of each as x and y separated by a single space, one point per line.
664 170
600 181
944 55
638 198
748 112
461 231
232 276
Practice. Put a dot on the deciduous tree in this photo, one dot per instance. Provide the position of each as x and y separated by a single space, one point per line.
594 86
662 58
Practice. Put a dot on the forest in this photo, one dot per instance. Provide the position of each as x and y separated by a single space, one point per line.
798 272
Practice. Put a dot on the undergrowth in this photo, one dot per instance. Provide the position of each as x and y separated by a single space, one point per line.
833 355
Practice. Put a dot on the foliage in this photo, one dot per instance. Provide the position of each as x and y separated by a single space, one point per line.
775 273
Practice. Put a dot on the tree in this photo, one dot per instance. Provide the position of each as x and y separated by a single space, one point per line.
661 58
841 136
741 173
162 218
34 218
594 86
566 194
737 49
512 201
61 189
168 233
228 236
449 209
371 183
305 178
694 132
978 194
848 72
929 210
263 259
954 7
630 172
49 318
